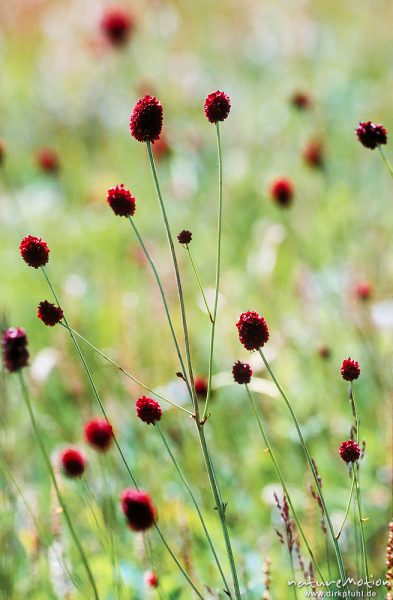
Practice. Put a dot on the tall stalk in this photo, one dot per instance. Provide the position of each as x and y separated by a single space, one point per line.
26 397
96 395
364 550
282 481
221 507
311 465
218 272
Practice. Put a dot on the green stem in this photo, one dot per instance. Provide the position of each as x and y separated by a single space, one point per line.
199 283
158 280
114 436
385 160
282 481
208 463
195 504
178 280
364 549
355 411
347 510
26 397
312 468
126 373
218 271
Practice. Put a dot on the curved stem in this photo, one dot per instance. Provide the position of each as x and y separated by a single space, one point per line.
114 436
26 397
312 468
158 280
364 549
385 160
218 271
199 283
178 280
347 510
282 481
195 504
126 373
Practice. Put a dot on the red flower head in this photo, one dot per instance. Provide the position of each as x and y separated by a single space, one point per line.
151 579
313 155
324 352
371 135
14 346
185 237
2 152
241 372
253 330
138 509
349 451
148 410
301 101
99 434
161 148
364 290
117 25
281 191
200 384
73 462
146 119
121 201
34 251
49 313
350 369
48 160
217 106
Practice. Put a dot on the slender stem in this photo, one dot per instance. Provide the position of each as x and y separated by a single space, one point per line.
199 282
126 373
158 280
218 271
355 411
195 504
364 549
347 510
26 397
282 481
209 466
312 468
178 280
114 436
385 160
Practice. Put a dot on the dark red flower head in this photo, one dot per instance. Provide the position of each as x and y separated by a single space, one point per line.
184 237
34 251
99 434
121 201
151 579
217 106
49 313
253 330
148 410
48 160
14 346
117 25
73 462
146 119
281 191
301 101
138 509
350 369
241 372
313 154
200 384
2 152
371 135
349 451
364 290
324 352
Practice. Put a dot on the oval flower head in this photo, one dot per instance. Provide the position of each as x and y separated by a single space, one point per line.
146 119
138 509
217 106
253 330
34 251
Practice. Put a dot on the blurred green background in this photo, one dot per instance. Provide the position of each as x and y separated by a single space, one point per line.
62 87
